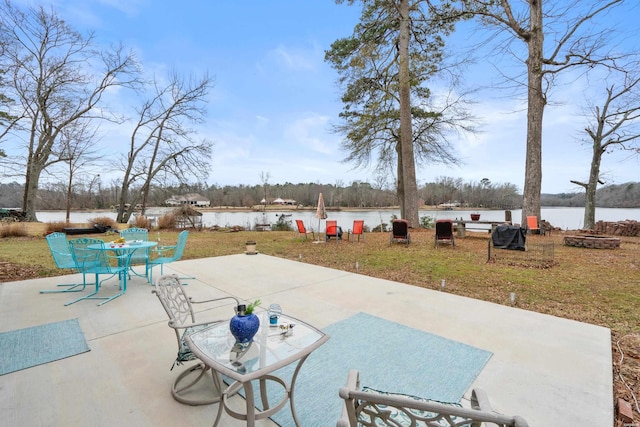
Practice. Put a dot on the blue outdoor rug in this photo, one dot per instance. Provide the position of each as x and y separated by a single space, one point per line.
24 348
389 356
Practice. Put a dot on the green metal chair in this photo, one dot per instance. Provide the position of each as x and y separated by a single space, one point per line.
98 261
61 254
177 250
139 256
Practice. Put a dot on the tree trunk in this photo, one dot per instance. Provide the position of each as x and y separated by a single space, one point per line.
400 183
535 109
124 193
32 178
590 193
410 199
69 193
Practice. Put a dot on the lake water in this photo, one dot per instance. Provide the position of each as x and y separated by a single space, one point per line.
564 218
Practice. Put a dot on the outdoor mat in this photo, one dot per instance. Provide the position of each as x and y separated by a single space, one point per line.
24 348
389 356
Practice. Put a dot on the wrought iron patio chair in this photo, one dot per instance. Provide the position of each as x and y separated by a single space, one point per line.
139 256
302 230
400 231
378 408
97 262
63 258
176 253
444 232
182 319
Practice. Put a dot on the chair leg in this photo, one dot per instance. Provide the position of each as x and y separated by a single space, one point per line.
178 389
92 294
71 287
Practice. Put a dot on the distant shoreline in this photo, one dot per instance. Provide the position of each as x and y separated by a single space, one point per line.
288 208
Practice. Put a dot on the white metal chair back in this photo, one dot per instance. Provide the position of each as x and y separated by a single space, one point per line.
175 302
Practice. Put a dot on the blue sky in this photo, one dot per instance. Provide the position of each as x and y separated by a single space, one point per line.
275 98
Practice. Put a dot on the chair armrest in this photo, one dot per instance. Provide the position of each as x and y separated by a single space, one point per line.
163 248
215 299
172 324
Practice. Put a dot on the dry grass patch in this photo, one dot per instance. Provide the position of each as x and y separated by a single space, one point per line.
13 229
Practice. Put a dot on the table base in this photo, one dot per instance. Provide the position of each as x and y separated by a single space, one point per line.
251 414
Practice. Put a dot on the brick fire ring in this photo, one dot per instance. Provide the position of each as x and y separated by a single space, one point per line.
592 242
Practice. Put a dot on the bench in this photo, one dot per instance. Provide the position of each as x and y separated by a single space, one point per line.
461 226
392 409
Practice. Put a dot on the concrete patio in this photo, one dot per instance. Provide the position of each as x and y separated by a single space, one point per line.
551 371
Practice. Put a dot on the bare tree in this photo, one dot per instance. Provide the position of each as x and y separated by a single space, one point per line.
7 119
615 126
264 178
572 40
50 68
162 144
77 148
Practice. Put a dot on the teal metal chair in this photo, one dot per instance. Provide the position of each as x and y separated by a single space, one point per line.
139 256
61 254
176 251
98 261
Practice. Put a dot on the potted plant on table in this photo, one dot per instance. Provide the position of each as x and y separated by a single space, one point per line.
244 325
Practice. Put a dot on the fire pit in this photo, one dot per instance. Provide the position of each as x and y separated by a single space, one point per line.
592 242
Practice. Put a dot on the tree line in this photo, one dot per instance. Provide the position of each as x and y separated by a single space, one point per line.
358 194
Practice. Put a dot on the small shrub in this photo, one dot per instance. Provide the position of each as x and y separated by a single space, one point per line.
57 226
281 226
104 221
167 221
426 221
13 230
382 228
142 222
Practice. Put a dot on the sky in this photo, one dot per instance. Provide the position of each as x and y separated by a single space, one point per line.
275 100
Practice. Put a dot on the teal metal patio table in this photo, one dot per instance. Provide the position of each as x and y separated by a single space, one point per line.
123 252
273 347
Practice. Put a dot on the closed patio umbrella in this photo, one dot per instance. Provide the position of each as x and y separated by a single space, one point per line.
321 213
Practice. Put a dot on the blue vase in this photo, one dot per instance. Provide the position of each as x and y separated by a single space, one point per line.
244 327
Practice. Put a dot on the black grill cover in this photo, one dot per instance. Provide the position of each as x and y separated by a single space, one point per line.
509 237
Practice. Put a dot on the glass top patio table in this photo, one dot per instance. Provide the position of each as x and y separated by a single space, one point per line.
272 348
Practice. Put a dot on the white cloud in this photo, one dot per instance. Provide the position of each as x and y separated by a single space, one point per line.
311 131
296 58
